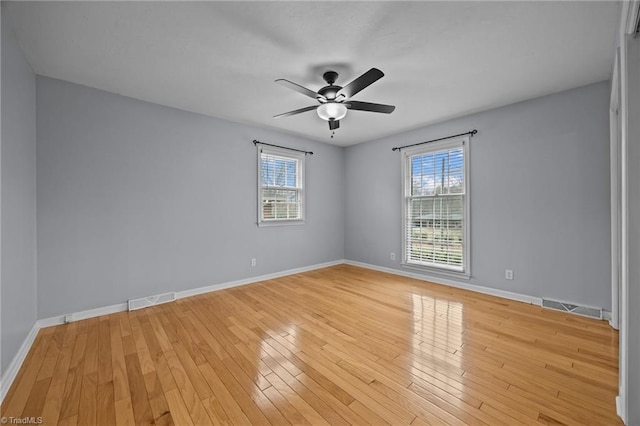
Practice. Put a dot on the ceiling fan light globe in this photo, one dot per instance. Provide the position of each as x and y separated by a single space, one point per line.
332 111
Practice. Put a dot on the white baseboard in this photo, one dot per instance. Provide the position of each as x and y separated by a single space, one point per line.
437 280
77 316
620 409
12 370
222 286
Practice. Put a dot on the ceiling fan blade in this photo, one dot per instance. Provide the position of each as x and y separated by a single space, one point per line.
297 111
293 86
369 77
334 124
368 106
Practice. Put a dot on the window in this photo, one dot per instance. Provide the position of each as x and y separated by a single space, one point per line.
436 206
280 187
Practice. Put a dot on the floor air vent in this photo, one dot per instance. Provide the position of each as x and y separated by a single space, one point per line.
586 311
145 302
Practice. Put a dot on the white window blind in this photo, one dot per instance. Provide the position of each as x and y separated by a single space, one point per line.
280 186
436 206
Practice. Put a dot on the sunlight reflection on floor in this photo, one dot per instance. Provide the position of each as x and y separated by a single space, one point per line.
437 327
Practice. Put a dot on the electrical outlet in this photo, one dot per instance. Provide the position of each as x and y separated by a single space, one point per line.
392 256
68 318
508 274
254 262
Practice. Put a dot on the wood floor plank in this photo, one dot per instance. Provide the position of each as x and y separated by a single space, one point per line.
87 409
341 345
188 391
105 404
191 369
367 414
157 400
71 396
35 403
142 342
232 409
177 407
91 350
54 399
124 412
328 412
380 404
105 367
138 391
296 400
216 411
257 407
120 378
51 358
328 398
288 411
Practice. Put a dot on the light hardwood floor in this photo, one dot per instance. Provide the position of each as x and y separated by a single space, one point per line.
341 345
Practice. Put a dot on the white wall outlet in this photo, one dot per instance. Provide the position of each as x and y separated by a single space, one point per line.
392 256
254 262
508 274
68 318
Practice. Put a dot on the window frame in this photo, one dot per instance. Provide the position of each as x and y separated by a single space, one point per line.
299 157
407 154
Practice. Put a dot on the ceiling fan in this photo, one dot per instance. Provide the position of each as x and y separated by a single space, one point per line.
334 100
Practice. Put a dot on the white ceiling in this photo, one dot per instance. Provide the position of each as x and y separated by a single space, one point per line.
441 59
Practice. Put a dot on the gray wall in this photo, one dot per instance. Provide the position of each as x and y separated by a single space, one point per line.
539 196
633 214
18 167
136 199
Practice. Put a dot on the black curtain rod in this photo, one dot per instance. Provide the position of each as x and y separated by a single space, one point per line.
255 142
472 132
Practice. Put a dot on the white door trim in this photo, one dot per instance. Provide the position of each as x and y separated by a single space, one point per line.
614 128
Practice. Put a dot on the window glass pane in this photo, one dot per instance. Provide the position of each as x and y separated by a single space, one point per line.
437 173
279 171
281 204
268 211
455 174
435 230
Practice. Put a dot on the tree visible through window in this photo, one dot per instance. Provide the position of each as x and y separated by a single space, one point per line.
435 221
280 186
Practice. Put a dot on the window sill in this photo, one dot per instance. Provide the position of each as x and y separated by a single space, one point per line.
437 272
267 224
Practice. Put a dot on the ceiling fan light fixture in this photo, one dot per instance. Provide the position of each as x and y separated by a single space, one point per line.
332 111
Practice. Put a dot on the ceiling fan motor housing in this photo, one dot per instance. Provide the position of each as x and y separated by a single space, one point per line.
329 92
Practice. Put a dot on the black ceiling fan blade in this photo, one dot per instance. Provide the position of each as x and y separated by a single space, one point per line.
369 77
334 124
368 106
300 89
297 111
